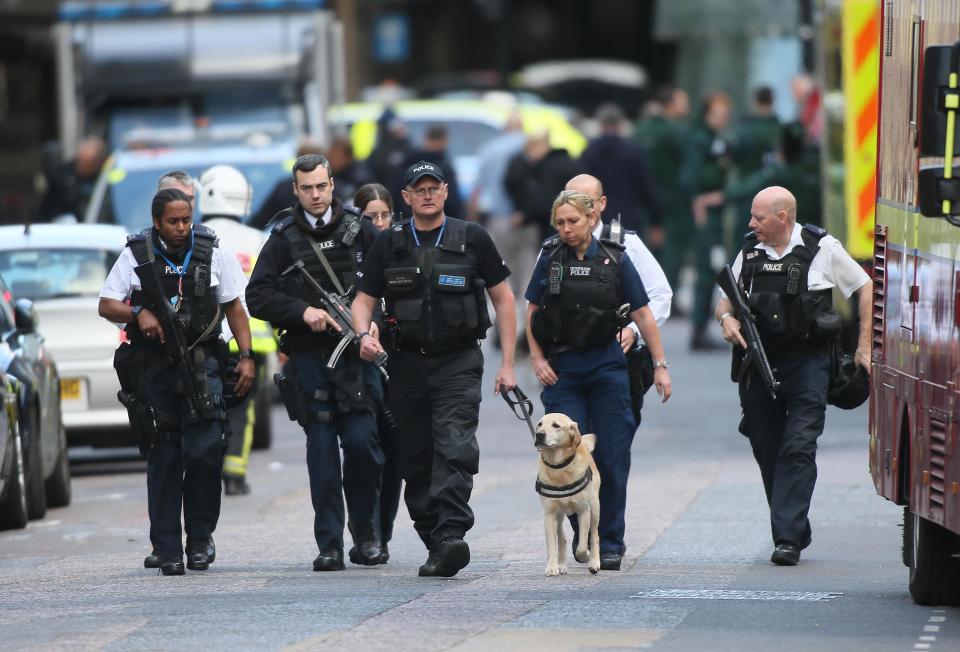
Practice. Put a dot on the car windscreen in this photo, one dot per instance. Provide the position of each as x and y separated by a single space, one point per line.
55 273
129 194
465 137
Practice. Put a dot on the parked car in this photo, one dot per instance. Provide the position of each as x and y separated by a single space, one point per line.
470 124
43 438
61 268
13 483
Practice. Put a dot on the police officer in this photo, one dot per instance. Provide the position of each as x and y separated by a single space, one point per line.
181 416
577 293
330 404
435 272
788 272
225 198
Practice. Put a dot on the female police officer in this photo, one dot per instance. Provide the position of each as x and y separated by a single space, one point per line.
577 290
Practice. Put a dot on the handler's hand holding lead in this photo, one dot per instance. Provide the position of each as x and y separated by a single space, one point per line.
506 380
318 320
544 372
661 378
369 347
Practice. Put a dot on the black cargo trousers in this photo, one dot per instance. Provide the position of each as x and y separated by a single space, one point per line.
436 402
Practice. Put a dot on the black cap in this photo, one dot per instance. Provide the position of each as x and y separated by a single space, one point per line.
422 169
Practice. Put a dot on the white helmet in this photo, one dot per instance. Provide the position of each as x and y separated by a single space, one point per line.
225 191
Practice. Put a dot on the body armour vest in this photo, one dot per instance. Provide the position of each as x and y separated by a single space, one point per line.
198 309
789 314
580 303
341 247
433 294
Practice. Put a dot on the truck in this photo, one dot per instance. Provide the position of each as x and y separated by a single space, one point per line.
914 414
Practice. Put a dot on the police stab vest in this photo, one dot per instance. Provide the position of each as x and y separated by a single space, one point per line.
580 303
789 314
434 294
199 309
341 248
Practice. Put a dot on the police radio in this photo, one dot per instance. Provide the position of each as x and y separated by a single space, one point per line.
201 279
556 275
793 279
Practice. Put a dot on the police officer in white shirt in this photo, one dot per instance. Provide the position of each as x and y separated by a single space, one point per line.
177 409
789 273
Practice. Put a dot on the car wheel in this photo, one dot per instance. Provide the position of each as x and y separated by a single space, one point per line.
59 490
262 424
36 490
934 571
13 508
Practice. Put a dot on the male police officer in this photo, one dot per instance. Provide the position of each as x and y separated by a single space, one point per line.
170 373
433 271
225 198
330 240
788 271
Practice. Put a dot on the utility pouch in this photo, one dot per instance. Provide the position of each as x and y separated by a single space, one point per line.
827 326
293 398
640 373
144 421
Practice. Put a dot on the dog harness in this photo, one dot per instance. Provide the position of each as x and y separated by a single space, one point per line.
565 491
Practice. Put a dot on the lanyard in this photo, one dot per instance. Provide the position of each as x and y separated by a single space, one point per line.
180 271
416 239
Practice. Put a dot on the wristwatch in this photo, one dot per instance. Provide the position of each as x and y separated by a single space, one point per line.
246 354
135 311
661 363
724 316
362 334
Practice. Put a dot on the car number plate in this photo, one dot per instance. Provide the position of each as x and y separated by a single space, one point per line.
69 389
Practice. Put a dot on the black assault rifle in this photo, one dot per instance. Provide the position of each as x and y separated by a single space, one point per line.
748 328
200 402
341 314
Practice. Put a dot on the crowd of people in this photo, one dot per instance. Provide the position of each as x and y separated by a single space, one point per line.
410 299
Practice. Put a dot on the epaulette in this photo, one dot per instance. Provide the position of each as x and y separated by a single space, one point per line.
550 243
613 244
282 224
353 210
138 237
815 230
205 231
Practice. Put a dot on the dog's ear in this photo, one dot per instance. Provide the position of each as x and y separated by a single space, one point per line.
589 442
575 432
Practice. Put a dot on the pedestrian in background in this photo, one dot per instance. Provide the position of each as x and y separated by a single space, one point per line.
755 142
783 431
662 135
376 204
707 162
435 273
282 198
349 172
70 187
631 194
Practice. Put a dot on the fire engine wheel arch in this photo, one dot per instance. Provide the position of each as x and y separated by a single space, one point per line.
934 568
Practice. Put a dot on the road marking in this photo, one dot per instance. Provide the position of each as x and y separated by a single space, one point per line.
926 641
726 594
98 497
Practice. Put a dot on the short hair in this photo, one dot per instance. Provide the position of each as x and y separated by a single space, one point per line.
164 197
309 163
610 114
436 132
579 200
711 98
664 94
763 95
175 177
371 192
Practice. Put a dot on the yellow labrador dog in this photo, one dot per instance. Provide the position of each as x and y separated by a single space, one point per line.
568 483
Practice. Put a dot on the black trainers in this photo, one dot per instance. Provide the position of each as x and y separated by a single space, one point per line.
610 561
785 554
429 567
452 554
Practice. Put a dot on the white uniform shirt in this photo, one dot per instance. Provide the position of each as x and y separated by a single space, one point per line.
831 267
246 243
325 218
654 280
226 277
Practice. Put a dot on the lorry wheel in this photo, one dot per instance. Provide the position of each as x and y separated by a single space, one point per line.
934 571
13 509
262 425
907 545
58 484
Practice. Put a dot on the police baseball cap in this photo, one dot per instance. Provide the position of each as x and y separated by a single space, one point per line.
422 169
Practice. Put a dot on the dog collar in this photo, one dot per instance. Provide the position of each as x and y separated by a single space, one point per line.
565 491
561 464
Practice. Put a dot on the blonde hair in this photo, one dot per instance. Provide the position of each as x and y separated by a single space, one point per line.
579 200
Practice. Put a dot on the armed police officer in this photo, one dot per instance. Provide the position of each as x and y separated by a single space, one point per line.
329 240
581 291
178 282
788 273
435 272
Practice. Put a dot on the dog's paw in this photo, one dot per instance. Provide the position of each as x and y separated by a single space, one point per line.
562 569
594 567
581 556
553 570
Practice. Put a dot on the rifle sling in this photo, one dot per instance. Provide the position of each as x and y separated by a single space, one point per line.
326 265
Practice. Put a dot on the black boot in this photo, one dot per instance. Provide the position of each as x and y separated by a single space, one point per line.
199 554
234 485
172 566
151 561
329 559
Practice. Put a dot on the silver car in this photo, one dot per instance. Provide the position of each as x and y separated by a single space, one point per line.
61 268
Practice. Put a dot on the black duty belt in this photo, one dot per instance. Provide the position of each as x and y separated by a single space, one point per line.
567 490
432 350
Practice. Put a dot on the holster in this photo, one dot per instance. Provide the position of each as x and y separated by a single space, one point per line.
202 404
144 421
293 399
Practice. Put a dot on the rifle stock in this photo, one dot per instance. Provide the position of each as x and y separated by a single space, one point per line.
341 314
754 356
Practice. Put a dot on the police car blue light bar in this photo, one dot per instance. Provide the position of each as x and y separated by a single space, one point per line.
85 10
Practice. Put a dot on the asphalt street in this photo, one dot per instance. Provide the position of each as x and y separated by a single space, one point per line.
697 575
